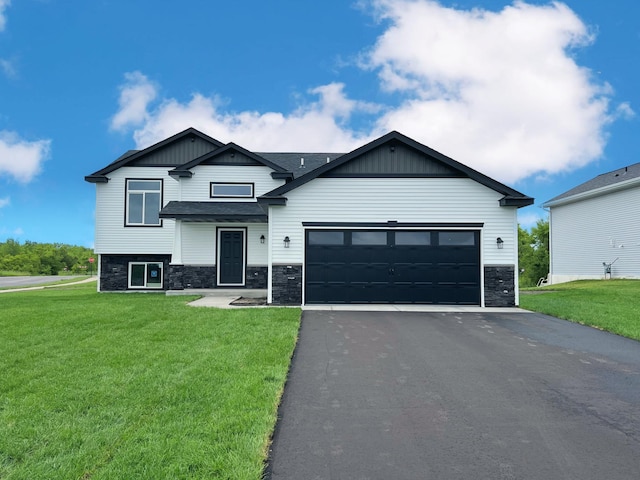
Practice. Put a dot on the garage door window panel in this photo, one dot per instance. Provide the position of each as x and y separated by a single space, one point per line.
325 238
457 239
378 238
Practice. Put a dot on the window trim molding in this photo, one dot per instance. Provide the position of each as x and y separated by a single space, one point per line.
250 184
126 203
145 287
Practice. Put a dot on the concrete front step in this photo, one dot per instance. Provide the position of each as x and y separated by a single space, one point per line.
222 292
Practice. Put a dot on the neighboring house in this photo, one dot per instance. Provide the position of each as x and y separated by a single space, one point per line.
390 222
596 225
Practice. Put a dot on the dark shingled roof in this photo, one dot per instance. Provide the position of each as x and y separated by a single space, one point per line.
250 212
291 161
604 180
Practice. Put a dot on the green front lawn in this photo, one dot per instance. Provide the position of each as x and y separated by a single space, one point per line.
612 305
97 386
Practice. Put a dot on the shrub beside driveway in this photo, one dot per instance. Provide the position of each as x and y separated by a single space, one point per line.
137 385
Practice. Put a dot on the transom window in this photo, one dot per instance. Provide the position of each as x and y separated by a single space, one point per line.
143 202
145 275
234 190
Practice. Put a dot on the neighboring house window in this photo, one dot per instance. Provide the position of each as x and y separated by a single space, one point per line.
144 199
233 190
145 275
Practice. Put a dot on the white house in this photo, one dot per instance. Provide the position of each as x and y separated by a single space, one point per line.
390 222
595 227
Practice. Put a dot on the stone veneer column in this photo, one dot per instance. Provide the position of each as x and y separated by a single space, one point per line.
287 284
499 286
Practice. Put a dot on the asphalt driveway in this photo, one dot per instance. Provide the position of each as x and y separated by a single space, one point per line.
396 395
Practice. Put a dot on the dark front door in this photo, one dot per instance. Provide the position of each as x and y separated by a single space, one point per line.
231 257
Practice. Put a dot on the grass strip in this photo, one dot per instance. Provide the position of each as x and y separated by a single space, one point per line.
137 386
611 305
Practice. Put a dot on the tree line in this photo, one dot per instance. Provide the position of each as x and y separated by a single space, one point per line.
533 253
44 258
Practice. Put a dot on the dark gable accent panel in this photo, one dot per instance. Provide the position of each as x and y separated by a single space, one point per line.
393 159
232 158
177 153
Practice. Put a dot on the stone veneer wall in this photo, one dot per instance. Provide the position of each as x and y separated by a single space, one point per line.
195 276
287 285
499 286
114 270
256 277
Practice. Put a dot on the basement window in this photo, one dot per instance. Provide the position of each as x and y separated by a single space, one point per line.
145 275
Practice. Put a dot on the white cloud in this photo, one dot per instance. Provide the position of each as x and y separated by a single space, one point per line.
20 158
314 126
4 4
135 96
498 91
4 202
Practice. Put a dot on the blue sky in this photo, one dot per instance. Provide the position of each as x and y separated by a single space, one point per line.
542 96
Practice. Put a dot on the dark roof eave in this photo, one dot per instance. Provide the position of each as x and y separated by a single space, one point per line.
180 173
519 202
266 200
96 179
282 175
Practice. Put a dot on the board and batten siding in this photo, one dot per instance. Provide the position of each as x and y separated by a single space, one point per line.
199 243
112 237
587 233
197 188
426 200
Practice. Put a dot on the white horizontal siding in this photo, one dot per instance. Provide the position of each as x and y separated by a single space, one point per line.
112 236
428 200
197 188
199 243
587 233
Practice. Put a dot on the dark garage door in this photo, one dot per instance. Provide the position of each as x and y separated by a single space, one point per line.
392 266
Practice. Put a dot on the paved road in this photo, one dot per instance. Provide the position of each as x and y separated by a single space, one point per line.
31 281
458 396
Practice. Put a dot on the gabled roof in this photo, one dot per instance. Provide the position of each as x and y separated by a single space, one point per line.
511 197
230 148
134 155
600 185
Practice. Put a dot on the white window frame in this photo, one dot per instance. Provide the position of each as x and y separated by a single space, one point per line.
212 186
129 192
146 266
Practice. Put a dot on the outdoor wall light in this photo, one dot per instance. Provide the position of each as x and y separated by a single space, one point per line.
287 241
261 238
500 243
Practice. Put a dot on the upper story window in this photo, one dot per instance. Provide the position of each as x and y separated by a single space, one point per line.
144 199
231 190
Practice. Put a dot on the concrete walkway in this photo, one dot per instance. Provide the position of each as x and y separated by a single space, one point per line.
42 287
